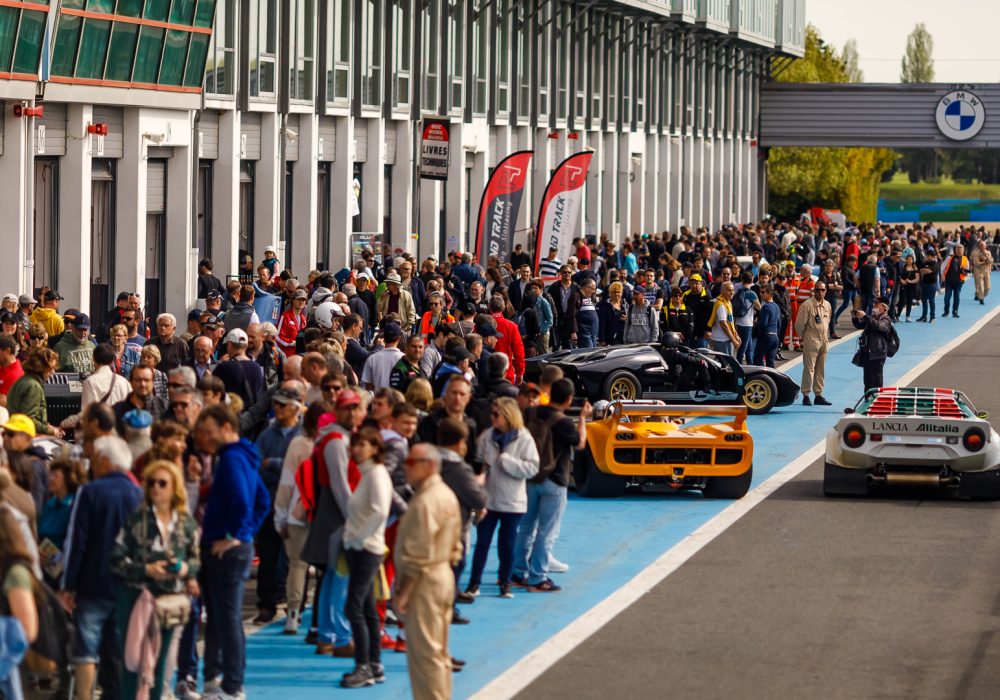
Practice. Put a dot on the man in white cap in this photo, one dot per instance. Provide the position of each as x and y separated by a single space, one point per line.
25 305
241 375
9 302
399 301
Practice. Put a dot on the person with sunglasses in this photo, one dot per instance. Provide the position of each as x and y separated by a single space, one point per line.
156 550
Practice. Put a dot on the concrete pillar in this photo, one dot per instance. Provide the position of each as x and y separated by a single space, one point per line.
180 285
542 164
697 217
305 197
456 223
592 212
373 179
675 184
477 179
75 175
728 210
518 138
17 154
226 196
651 174
609 187
341 194
662 191
747 175
267 188
718 155
431 207
130 190
687 182
403 188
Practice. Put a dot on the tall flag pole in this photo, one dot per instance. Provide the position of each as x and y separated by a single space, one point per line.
499 206
561 206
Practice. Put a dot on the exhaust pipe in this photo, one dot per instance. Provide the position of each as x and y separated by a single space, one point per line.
913 479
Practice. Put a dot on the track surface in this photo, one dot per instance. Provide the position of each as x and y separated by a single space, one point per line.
809 597
794 600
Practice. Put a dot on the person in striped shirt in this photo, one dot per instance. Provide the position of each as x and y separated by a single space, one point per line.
548 268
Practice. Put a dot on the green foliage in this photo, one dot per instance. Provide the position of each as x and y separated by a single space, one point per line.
918 61
850 58
836 178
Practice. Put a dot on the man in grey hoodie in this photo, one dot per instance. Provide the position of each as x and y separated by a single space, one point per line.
642 324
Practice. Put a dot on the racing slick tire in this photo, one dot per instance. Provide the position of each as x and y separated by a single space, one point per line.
730 487
838 481
591 482
621 385
760 393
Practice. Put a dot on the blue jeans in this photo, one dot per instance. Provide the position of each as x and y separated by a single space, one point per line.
93 618
538 531
849 295
725 346
928 299
766 349
223 583
867 302
505 544
333 626
187 652
699 342
360 606
950 289
744 353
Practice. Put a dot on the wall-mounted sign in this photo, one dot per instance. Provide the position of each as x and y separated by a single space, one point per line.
960 115
434 146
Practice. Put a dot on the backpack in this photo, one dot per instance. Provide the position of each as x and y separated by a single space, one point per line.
51 649
528 323
741 303
541 431
311 475
893 346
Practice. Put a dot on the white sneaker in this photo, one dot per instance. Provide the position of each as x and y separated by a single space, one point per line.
187 690
213 686
292 622
557 567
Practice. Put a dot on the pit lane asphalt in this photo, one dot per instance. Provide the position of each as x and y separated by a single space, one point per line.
810 597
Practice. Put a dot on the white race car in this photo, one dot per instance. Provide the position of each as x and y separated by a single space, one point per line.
913 436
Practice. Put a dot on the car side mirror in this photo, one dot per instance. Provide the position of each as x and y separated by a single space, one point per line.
848 411
983 414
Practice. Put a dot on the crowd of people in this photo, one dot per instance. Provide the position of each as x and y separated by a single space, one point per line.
346 452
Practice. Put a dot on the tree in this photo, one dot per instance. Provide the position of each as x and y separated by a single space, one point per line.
918 61
850 59
841 178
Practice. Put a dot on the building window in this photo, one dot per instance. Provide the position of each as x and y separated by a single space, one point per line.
21 34
430 58
562 68
481 41
221 64
46 220
338 50
523 73
402 51
285 231
302 49
246 208
323 216
544 47
613 77
596 78
102 234
579 67
456 53
371 35
263 47
501 64
203 229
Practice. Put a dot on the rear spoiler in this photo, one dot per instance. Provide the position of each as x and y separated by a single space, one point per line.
739 413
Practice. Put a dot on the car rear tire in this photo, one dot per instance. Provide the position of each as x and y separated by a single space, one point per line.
621 385
730 487
591 482
760 393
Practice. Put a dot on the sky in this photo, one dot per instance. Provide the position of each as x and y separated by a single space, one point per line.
966 49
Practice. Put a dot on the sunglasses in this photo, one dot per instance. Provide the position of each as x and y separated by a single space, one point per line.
175 385
158 483
495 414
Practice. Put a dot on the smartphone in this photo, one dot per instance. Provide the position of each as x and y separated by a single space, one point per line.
174 566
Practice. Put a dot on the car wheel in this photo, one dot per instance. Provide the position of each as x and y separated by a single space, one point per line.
731 487
622 386
591 482
760 394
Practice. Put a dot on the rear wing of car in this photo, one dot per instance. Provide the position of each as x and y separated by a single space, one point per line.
624 410
927 402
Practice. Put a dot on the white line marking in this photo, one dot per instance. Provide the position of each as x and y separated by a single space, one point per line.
524 672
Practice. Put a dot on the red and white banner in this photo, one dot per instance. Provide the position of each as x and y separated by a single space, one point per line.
561 204
499 206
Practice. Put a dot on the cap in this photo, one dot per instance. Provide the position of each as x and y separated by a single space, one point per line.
529 388
882 300
270 249
467 308
214 294
194 315
82 321
8 317
286 396
487 330
70 314
458 354
20 423
300 294
237 336
268 328
394 278
638 290
694 278
209 322
53 295
348 397
392 332
10 297
137 419
24 300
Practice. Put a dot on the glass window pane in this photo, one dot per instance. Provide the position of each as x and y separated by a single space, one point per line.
29 42
67 37
174 57
73 4
182 11
147 59
156 9
8 32
129 8
205 13
122 52
101 6
93 48
196 60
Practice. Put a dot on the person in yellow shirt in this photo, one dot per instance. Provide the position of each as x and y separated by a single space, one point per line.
48 314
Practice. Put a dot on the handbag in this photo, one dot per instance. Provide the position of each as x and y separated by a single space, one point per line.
172 609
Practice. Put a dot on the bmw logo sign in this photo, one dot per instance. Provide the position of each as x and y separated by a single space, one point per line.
960 115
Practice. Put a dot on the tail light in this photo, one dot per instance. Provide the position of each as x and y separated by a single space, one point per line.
974 439
854 436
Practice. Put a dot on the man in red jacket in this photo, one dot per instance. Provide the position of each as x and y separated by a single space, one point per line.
510 342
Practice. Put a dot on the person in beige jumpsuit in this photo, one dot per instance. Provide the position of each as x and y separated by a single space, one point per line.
813 326
982 265
427 545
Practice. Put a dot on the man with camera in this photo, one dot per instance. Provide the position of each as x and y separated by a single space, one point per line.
812 325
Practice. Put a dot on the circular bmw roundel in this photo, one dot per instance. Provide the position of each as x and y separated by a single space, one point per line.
960 115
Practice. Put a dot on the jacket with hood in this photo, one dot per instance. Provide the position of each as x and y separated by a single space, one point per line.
27 396
509 467
50 319
238 501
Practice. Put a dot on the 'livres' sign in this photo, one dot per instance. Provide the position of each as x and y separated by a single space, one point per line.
434 146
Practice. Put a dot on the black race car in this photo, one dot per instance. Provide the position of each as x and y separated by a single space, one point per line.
673 373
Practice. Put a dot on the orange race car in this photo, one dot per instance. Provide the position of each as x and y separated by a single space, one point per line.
647 444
